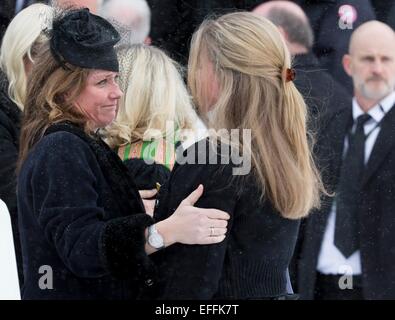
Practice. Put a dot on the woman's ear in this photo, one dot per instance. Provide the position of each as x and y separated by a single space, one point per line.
27 64
65 96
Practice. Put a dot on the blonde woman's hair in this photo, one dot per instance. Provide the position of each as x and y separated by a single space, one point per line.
22 40
51 91
250 58
154 93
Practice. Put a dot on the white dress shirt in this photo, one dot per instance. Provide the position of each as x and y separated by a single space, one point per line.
330 259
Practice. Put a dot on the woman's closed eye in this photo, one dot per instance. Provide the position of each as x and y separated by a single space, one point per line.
102 82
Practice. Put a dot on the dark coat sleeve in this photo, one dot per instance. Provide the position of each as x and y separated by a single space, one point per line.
146 176
64 182
7 11
8 159
194 271
171 27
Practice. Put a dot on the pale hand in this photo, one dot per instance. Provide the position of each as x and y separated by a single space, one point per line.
192 225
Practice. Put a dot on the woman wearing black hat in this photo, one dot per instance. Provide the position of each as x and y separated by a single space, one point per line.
83 226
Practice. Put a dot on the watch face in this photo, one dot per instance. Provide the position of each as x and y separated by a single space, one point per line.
155 240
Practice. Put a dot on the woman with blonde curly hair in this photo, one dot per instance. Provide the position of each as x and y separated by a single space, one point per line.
19 47
155 114
240 74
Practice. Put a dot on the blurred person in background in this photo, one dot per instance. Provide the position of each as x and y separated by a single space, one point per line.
174 21
333 22
9 8
321 92
135 15
345 250
19 48
92 5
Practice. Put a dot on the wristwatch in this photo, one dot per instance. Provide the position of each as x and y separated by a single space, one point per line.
155 240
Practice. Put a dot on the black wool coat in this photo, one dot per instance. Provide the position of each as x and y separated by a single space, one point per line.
81 215
10 119
322 93
146 176
7 12
174 21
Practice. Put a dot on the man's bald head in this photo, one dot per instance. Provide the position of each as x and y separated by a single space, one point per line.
371 62
288 6
371 32
291 19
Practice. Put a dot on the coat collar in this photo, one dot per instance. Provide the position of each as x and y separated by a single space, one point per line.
124 190
384 144
301 61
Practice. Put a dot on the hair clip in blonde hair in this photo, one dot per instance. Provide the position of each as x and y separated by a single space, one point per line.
290 74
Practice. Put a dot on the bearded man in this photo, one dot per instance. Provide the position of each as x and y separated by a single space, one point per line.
346 249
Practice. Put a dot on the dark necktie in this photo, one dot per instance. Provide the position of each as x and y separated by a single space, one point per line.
347 198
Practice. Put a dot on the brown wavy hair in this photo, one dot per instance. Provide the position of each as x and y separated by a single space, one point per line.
51 91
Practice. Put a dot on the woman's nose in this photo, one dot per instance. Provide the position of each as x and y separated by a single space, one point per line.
116 92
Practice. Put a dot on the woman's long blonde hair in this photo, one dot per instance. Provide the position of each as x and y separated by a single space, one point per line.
154 93
21 41
250 59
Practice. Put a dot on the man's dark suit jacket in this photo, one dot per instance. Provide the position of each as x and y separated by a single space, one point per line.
7 12
319 89
376 210
174 21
